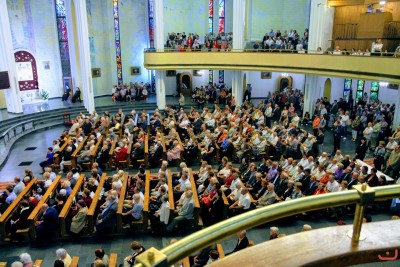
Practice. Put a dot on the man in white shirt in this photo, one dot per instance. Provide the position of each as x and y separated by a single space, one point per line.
332 185
332 166
242 205
390 147
268 115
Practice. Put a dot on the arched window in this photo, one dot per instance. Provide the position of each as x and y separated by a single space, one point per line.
26 71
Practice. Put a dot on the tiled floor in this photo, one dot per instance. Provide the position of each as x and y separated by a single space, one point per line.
85 248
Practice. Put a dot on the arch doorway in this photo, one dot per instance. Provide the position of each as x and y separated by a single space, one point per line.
185 83
327 89
284 81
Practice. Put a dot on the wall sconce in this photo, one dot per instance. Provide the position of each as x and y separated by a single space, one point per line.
382 3
285 75
383 84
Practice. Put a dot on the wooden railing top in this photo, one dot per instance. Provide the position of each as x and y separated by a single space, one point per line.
147 192
80 146
171 192
122 195
17 201
37 210
67 206
96 196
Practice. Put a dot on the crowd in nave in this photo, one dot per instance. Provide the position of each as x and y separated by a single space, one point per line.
250 156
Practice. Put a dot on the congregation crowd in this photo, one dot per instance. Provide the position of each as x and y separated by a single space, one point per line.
251 156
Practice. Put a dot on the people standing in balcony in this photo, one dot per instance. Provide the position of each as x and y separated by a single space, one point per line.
337 51
376 47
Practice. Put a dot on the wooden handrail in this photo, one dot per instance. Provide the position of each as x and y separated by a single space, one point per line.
67 206
13 206
121 199
95 201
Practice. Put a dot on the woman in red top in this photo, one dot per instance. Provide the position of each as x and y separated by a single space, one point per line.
121 153
320 189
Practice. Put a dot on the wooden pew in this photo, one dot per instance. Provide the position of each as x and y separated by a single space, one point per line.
226 206
195 198
77 150
57 158
37 212
111 153
186 262
181 146
74 262
113 260
171 195
121 199
92 209
3 264
67 206
127 161
38 263
94 151
146 150
220 251
164 154
146 203
6 216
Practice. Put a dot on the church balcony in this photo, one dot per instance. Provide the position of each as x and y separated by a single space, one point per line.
376 68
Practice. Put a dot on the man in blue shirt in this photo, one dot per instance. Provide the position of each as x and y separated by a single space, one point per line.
48 160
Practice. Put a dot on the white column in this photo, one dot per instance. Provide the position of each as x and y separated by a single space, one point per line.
321 25
83 49
159 45
311 93
73 51
238 44
7 61
396 118
239 17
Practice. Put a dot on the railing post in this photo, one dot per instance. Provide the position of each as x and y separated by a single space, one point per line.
367 195
151 257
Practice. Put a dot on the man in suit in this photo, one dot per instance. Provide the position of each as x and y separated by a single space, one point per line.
311 187
46 227
353 181
305 180
347 174
282 184
268 197
106 218
157 155
242 243
103 156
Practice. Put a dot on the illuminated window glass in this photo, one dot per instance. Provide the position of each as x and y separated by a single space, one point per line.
151 23
360 90
61 21
118 55
347 88
374 91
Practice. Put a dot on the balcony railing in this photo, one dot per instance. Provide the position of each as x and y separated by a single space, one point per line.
362 195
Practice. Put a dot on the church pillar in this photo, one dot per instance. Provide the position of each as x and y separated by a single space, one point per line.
7 61
238 44
321 25
311 93
82 48
396 118
159 45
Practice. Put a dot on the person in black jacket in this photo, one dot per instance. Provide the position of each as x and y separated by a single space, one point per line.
215 212
361 149
201 259
242 243
19 221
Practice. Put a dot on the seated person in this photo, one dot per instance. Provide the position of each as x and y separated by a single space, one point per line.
135 213
186 213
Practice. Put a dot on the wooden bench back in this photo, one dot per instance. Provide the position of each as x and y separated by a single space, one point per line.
171 194
146 205
38 263
164 149
6 216
195 197
37 211
121 199
95 149
67 206
220 251
95 201
74 262
113 260
56 158
111 153
76 152
146 149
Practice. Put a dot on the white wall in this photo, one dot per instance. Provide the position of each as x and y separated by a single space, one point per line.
336 88
261 87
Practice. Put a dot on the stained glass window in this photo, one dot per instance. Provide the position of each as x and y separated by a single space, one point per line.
374 91
211 16
360 90
211 76
118 55
221 78
221 16
151 23
347 88
63 37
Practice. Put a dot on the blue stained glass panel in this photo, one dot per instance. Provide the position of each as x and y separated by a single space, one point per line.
210 8
151 9
221 77
221 6
60 8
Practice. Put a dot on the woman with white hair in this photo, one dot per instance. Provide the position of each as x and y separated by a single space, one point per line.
273 232
26 260
17 264
135 213
63 255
